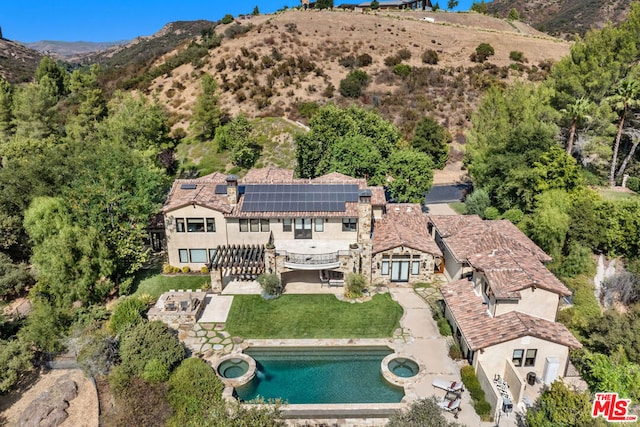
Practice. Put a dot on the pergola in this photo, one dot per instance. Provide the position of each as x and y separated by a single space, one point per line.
241 262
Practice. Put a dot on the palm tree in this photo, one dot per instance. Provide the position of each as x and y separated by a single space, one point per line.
627 97
634 134
576 112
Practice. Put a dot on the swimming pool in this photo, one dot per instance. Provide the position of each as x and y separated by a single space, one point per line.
305 375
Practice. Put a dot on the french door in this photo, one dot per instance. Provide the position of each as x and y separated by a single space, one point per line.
399 271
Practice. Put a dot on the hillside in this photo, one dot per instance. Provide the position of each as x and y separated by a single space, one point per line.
70 51
564 17
17 62
287 59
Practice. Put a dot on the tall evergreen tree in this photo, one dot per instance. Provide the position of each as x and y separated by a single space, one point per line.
207 116
432 139
6 114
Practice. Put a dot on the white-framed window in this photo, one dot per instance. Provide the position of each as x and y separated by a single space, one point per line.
349 224
195 225
254 225
244 225
264 225
211 225
198 255
518 354
212 254
530 357
385 267
286 224
180 225
415 267
319 224
183 255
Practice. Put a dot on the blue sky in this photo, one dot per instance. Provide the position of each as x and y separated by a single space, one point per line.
112 20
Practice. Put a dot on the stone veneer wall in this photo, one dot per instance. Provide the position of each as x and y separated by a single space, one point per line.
425 273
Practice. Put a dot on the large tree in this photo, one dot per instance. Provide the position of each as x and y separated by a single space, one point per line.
512 131
411 174
433 139
136 123
330 124
207 115
6 114
115 193
626 98
71 259
577 112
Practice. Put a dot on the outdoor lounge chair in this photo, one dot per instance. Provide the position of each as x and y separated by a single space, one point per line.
452 386
451 404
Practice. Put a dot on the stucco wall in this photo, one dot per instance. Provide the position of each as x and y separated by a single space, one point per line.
493 358
192 240
536 302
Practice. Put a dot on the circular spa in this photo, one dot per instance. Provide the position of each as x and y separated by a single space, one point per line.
399 369
404 368
236 369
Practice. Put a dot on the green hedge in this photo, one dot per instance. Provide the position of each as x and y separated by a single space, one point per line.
470 380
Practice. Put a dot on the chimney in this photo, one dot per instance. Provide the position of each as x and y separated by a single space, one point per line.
364 215
232 190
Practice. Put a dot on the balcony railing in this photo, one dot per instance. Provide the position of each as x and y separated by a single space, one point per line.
313 259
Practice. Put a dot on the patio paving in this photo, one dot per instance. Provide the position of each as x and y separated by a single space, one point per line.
216 309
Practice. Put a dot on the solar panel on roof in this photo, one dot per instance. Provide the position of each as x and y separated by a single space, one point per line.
298 197
188 186
221 189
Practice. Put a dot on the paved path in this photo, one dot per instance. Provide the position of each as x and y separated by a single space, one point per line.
431 351
440 209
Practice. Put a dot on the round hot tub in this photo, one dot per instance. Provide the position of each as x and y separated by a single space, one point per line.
403 367
233 368
400 369
236 369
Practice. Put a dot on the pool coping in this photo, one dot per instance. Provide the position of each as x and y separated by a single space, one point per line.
340 410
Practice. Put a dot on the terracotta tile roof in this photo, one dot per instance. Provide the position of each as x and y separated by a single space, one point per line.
481 330
510 260
509 272
466 235
202 195
339 178
508 229
449 225
378 197
270 176
404 224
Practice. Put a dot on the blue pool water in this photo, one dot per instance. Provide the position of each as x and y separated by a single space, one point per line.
320 375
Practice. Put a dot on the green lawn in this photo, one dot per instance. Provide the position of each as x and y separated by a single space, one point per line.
153 283
312 316
609 194
459 207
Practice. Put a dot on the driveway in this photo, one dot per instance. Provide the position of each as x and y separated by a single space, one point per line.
447 193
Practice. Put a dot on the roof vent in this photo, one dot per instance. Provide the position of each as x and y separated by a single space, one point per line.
188 186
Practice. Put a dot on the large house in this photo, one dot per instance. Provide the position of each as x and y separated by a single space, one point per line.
312 230
502 303
500 298
389 4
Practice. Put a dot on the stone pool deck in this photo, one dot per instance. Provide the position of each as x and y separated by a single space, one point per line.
418 338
